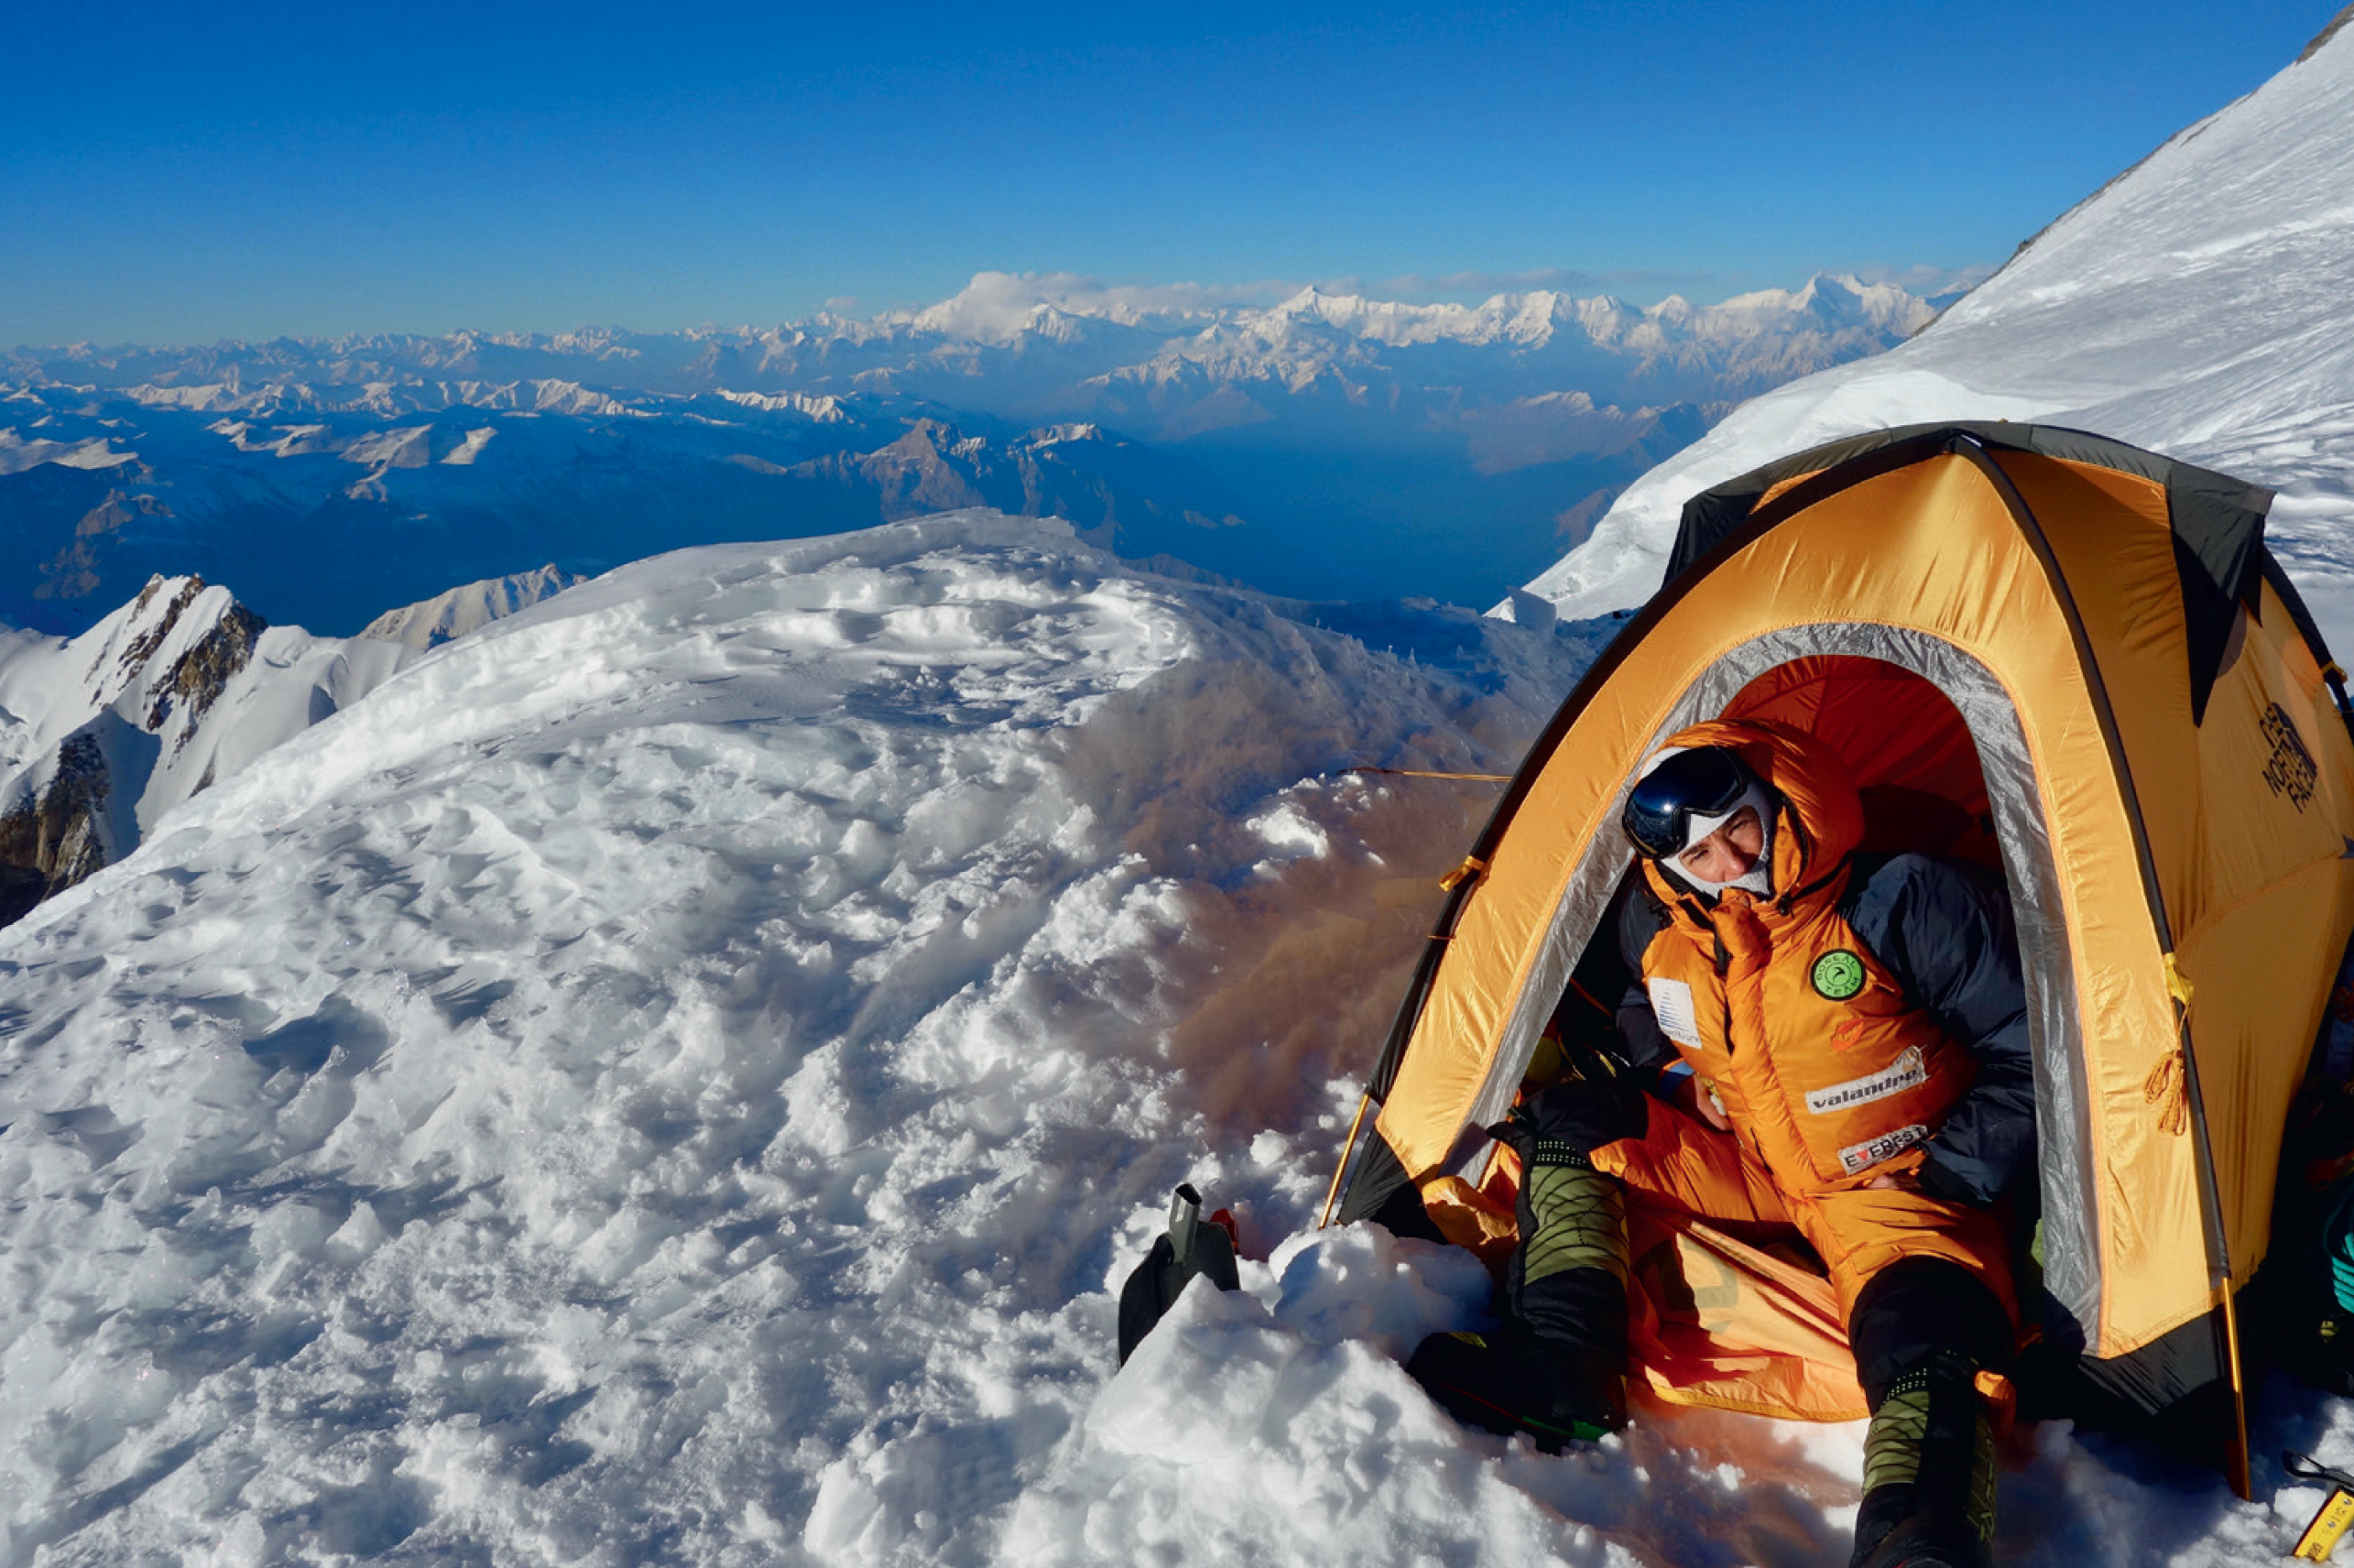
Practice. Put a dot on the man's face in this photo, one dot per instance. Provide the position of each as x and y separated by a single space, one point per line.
1727 853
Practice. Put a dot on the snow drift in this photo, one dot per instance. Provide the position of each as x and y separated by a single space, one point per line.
671 1073
2195 306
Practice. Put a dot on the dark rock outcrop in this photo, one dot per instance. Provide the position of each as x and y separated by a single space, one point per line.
54 840
62 819
198 675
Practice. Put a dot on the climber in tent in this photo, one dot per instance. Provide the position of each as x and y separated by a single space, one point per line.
1860 1071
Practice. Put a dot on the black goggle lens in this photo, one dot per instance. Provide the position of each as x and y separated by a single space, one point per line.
1701 782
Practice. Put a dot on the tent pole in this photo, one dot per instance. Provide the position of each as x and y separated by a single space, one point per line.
2219 1248
1332 1194
2243 1482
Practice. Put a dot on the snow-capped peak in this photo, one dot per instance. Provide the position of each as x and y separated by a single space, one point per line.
467 608
102 734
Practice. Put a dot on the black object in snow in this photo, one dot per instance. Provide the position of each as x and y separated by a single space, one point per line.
1189 1247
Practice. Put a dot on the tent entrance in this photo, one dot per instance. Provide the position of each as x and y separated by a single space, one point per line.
1935 733
1915 764
1904 743
1936 744
1937 750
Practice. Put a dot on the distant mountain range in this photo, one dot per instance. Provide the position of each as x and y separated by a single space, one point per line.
1329 446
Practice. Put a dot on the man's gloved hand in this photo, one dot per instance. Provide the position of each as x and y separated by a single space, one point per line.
1568 1122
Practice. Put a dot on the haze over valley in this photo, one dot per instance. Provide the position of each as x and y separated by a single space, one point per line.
1326 447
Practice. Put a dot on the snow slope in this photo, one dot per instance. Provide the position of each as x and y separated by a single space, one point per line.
467 608
2196 306
679 1074
725 1022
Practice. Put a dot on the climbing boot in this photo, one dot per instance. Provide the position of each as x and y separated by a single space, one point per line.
1925 1543
1567 1280
1511 1381
1928 1472
1557 1367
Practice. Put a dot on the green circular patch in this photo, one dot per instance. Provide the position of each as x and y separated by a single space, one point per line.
1838 975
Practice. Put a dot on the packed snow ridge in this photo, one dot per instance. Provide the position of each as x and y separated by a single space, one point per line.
2195 306
673 1073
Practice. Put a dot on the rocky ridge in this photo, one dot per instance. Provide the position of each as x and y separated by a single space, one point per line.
102 734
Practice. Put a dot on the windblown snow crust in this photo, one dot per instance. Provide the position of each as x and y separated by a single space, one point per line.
2196 306
670 1075
679 1074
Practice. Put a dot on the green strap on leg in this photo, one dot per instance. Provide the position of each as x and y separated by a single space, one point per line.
1930 1436
1580 1218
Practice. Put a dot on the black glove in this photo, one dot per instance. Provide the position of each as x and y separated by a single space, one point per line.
1568 1122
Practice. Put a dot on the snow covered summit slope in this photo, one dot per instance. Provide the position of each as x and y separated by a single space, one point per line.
468 607
726 1021
677 1075
2196 305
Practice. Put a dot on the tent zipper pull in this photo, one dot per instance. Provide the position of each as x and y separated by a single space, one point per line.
2168 1084
1472 867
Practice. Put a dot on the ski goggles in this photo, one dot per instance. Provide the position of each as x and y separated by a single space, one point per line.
1705 781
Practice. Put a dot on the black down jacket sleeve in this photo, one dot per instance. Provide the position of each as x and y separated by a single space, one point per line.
1945 931
1639 1039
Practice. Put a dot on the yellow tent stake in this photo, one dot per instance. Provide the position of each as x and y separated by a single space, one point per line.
2322 1534
1332 1195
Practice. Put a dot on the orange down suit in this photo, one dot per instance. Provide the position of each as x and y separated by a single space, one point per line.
1828 1074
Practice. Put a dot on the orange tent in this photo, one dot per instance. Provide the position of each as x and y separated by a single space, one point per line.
2066 657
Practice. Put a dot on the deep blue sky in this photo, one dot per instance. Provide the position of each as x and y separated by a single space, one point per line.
181 172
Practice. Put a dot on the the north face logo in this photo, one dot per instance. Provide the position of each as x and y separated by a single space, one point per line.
2291 771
